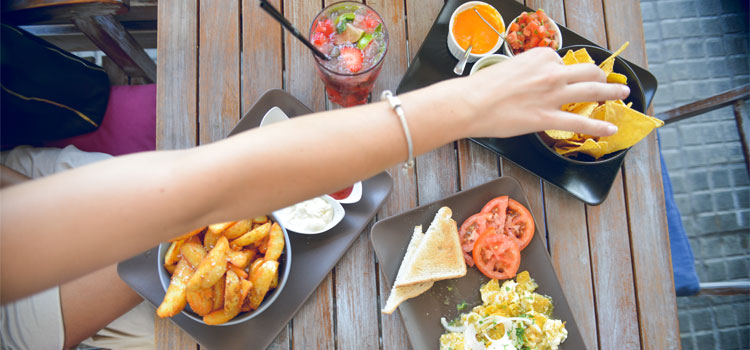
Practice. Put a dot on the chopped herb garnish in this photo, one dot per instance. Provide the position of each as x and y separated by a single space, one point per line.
461 307
507 289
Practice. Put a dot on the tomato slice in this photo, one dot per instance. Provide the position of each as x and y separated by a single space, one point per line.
496 208
519 223
496 255
469 232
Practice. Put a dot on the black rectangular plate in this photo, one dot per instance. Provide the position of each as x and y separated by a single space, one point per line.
421 315
434 63
313 256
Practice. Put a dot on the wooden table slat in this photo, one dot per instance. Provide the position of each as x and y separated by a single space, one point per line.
261 68
177 66
262 63
568 236
476 165
436 170
404 195
649 236
612 272
357 296
176 121
302 80
313 325
568 245
607 226
586 18
219 69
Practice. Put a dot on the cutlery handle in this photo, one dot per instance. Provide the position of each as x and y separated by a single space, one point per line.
459 69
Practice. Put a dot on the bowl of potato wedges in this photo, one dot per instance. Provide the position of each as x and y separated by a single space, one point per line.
225 273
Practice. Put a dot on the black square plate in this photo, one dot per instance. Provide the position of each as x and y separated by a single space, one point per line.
313 256
434 63
422 314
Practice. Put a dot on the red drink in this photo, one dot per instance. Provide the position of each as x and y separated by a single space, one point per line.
354 36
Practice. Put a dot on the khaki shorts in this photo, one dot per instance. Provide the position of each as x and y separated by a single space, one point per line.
36 322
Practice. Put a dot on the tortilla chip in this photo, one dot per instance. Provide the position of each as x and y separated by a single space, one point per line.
598 113
585 108
616 78
582 56
608 66
632 126
569 58
559 134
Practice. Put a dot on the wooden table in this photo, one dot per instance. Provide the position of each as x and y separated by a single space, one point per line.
216 57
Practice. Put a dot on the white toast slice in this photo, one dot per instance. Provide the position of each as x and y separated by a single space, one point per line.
438 256
399 295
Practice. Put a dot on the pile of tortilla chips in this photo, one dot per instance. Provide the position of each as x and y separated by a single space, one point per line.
632 125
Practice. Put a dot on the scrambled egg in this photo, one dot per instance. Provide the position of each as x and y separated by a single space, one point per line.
512 317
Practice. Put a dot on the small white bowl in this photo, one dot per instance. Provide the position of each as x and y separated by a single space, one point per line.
487 61
558 37
456 49
355 196
283 215
273 116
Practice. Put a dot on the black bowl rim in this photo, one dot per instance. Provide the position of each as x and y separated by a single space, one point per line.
164 275
611 156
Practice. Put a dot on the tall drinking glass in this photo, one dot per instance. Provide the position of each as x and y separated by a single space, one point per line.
356 39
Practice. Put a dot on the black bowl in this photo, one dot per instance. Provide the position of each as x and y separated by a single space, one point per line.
636 97
285 264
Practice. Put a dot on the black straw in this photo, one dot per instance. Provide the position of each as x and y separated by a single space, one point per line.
285 23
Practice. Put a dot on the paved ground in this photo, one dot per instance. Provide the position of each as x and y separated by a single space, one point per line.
697 49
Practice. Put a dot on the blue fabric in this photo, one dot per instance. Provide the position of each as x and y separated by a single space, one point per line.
685 279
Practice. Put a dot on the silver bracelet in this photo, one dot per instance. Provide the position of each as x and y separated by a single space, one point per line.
395 103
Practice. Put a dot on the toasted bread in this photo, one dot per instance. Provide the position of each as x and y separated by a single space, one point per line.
399 295
438 256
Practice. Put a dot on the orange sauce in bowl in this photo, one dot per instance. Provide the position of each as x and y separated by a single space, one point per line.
469 29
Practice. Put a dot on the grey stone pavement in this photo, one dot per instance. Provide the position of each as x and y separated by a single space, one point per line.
697 49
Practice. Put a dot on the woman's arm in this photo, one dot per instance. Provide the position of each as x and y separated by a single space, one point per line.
60 227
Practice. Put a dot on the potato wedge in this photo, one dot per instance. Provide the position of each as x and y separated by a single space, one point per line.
220 227
245 287
260 219
252 236
220 316
194 239
194 253
210 239
232 292
274 282
261 280
188 235
176 296
255 265
240 272
275 244
172 256
219 293
213 266
238 229
201 301
263 245
171 268
240 258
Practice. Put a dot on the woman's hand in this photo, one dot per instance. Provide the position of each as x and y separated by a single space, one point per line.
525 94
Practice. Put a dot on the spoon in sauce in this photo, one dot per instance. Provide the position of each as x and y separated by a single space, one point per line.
459 69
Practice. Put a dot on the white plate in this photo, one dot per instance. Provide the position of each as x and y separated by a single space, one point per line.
338 214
